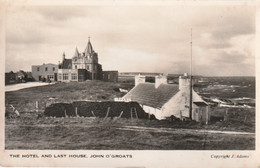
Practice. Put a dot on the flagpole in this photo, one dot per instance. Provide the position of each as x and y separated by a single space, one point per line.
190 112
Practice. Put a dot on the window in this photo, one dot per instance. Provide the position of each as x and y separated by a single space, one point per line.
74 76
59 77
87 67
53 68
46 68
50 76
65 76
108 76
76 67
38 68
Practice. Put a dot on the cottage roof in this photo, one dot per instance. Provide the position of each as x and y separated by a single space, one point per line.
200 104
147 94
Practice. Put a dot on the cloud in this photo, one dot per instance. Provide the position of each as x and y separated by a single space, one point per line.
134 38
229 58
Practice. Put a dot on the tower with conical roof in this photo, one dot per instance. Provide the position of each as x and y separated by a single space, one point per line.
84 66
63 56
76 53
89 49
87 60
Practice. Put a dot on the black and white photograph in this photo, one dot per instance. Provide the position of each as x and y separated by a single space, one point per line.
129 77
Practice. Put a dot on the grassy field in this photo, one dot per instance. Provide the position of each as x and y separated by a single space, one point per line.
96 133
33 132
24 100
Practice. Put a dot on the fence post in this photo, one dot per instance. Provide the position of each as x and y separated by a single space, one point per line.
181 115
15 110
76 111
121 114
65 113
245 118
37 106
207 115
93 113
108 109
226 115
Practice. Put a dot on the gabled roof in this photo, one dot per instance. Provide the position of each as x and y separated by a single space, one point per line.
147 94
66 64
200 104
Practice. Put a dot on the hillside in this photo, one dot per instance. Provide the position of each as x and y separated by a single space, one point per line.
24 100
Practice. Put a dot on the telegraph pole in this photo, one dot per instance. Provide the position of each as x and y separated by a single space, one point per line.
190 114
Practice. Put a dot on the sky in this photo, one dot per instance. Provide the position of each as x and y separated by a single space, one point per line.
139 38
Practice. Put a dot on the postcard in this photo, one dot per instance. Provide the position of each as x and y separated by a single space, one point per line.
129 83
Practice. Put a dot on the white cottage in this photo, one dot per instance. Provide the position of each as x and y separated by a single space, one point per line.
164 100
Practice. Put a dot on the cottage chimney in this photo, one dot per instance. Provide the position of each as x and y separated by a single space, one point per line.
184 82
160 80
139 79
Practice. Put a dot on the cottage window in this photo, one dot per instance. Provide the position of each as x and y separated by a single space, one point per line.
65 76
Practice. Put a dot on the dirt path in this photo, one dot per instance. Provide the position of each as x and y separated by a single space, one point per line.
184 131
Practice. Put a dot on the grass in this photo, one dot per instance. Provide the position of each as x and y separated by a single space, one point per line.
24 100
31 132
96 133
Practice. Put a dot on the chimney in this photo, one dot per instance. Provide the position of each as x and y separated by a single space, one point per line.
139 79
184 82
160 80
